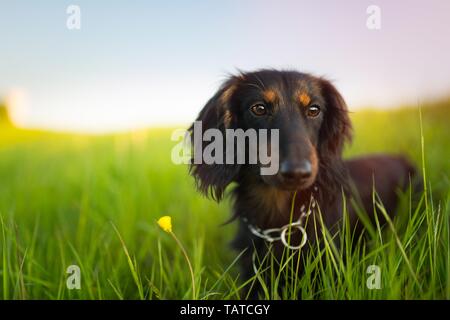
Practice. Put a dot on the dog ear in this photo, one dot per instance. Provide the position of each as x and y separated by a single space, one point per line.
336 128
212 179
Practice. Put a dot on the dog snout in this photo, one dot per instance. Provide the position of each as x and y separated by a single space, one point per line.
295 171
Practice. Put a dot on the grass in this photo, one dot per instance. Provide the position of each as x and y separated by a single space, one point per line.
94 201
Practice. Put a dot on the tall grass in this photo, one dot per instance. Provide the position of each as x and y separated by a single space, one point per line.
92 201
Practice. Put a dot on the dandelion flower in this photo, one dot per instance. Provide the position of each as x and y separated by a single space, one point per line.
165 223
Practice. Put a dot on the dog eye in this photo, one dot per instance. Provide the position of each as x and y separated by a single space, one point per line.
313 111
259 109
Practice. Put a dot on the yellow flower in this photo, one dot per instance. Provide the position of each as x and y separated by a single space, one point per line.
165 223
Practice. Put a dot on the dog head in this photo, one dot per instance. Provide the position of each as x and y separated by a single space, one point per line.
308 111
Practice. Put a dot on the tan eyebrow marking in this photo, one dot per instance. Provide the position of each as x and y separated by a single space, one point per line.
304 98
270 95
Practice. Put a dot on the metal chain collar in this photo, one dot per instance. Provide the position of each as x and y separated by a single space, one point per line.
276 234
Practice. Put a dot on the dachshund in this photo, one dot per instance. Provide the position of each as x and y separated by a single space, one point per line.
313 124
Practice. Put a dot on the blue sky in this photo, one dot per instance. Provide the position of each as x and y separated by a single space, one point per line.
148 63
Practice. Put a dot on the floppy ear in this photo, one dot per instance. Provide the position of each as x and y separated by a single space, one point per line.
336 128
212 179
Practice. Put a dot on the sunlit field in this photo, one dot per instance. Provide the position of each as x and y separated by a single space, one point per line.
93 201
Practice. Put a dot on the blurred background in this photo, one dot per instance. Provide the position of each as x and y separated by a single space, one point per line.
150 63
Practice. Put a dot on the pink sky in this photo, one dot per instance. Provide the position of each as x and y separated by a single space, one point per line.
144 64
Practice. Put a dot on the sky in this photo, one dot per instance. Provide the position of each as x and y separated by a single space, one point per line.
155 63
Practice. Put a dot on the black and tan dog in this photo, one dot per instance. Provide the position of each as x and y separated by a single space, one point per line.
313 124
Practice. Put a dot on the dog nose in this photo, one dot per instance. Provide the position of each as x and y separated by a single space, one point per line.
296 171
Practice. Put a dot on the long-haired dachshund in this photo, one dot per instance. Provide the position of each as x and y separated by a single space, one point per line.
313 124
